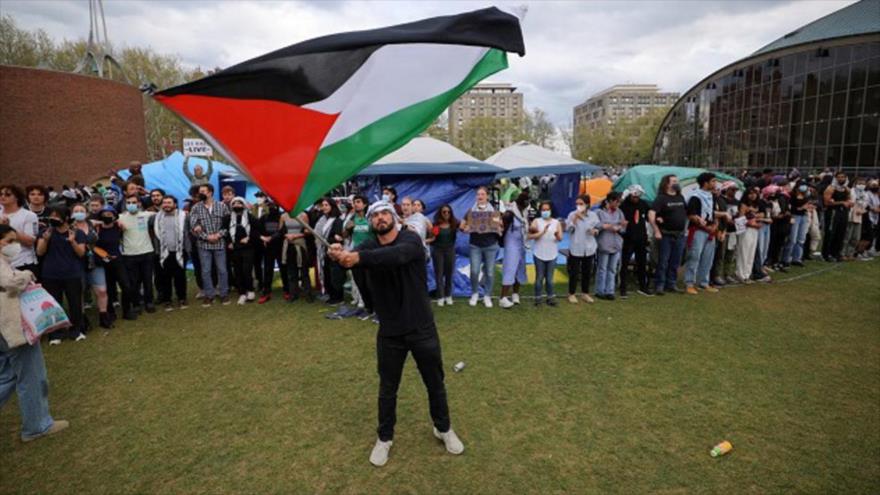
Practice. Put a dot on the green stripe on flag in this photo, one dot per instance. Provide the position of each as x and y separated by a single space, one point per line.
341 160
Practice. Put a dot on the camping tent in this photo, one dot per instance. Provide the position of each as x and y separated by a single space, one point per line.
525 159
649 176
167 174
437 173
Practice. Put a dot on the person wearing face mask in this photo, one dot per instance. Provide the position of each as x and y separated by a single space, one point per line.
837 202
270 228
94 276
546 232
779 229
610 242
206 220
389 195
443 252
239 225
724 269
331 229
25 222
395 269
800 221
295 256
513 265
668 217
137 251
483 247
22 368
852 242
635 239
109 242
63 249
583 226
170 232
258 209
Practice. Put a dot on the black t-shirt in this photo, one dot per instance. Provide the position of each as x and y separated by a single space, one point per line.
695 208
671 209
109 239
397 279
636 228
61 262
798 203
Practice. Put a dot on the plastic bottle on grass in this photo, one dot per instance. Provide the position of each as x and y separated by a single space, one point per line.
721 449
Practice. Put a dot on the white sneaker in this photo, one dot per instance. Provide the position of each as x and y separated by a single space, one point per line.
200 295
505 303
440 302
449 300
81 336
55 342
251 296
487 301
451 440
242 300
379 456
514 298
474 298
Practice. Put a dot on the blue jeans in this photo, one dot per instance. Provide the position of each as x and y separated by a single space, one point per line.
483 257
22 369
668 259
794 248
699 260
606 272
218 257
762 250
544 276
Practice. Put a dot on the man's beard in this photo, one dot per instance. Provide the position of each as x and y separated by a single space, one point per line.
384 230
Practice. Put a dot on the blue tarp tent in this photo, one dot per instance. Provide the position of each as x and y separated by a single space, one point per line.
437 173
167 174
525 159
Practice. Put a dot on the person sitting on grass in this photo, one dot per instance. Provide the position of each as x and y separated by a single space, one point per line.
22 368
396 273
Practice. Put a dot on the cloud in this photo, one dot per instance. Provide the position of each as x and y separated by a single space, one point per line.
574 49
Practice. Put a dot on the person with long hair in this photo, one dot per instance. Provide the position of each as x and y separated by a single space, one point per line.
331 230
610 243
94 276
583 226
546 231
513 266
442 242
668 217
483 247
747 240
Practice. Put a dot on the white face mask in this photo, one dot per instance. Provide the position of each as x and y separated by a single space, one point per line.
581 208
386 198
11 250
860 187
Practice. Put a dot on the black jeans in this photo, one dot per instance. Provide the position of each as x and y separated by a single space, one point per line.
243 267
271 255
580 267
140 274
72 290
297 275
391 355
836 219
640 249
172 272
258 264
117 276
444 269
334 279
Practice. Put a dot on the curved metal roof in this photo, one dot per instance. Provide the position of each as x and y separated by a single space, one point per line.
862 17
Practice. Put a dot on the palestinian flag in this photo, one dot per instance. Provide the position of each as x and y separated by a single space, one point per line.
302 119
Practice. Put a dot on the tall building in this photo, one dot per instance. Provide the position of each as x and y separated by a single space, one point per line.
495 100
618 103
810 99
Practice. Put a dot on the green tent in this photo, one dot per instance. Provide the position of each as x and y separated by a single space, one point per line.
648 176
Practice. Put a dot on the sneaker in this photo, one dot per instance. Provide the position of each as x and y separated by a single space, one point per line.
719 282
168 307
538 301
710 289
207 302
242 300
441 301
645 292
449 300
251 296
551 301
487 301
54 341
572 299
587 299
200 295
514 298
379 455
79 337
675 289
732 280
182 304
474 298
624 295
87 305
225 301
450 440
692 291
150 308
505 303
264 299
287 296
130 316
57 426
766 279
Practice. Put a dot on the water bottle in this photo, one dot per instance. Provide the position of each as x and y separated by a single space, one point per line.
458 366
721 449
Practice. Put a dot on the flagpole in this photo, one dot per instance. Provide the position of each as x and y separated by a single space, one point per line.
308 229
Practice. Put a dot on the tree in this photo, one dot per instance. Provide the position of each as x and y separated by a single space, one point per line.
440 128
627 142
482 137
537 129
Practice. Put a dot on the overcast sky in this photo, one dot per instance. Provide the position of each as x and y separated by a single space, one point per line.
574 48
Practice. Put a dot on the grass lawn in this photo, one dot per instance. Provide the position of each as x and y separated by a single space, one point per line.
621 397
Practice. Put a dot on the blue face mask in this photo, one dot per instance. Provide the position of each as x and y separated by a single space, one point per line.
132 208
79 216
386 198
545 214
802 188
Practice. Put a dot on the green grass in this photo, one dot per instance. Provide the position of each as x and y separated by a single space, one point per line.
622 397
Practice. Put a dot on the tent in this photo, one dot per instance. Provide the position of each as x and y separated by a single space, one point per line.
525 159
437 173
167 174
649 176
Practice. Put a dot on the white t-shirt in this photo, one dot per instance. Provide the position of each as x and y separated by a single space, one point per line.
26 222
546 247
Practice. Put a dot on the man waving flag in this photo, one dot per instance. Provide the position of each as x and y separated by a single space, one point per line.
302 119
